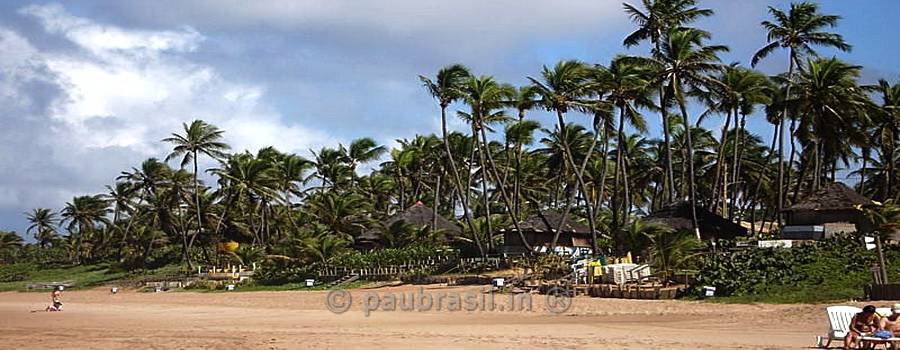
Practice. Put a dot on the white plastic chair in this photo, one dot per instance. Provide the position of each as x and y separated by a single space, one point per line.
839 318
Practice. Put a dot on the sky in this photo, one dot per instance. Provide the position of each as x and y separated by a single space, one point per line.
89 88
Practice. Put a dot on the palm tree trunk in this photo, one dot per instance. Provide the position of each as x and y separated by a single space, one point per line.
484 189
669 178
436 204
137 209
517 196
784 114
720 163
804 167
751 205
506 200
817 168
187 254
692 195
889 162
862 175
614 199
569 201
626 200
790 164
738 155
455 172
603 168
580 179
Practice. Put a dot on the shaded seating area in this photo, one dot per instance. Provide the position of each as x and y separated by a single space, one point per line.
835 208
712 226
539 229
418 215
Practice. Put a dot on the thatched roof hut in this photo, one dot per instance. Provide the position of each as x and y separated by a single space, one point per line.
836 207
835 196
540 228
418 215
712 226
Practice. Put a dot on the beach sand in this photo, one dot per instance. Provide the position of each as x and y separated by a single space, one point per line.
95 319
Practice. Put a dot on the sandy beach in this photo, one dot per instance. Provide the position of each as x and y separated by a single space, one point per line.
300 320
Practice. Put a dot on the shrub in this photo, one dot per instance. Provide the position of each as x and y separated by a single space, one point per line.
16 272
836 268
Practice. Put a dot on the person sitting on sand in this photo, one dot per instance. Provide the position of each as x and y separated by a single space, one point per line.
56 297
863 324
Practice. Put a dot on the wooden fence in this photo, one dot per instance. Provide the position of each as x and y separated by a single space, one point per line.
409 267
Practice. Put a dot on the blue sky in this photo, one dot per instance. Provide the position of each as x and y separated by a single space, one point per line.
88 88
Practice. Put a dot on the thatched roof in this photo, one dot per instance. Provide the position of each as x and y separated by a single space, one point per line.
417 215
536 224
678 217
834 196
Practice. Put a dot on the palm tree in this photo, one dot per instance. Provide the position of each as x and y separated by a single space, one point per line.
685 61
833 108
885 218
10 243
43 225
887 130
657 19
9 240
145 181
796 30
199 138
635 237
629 86
566 87
324 246
735 92
671 249
520 134
83 214
362 150
445 88
486 97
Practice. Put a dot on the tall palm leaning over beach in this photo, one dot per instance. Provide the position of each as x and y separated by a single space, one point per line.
657 18
685 61
446 88
565 87
199 138
796 30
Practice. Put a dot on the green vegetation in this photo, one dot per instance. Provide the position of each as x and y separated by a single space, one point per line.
832 270
19 276
293 214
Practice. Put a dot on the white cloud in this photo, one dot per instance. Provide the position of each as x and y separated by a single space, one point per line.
71 120
117 98
99 38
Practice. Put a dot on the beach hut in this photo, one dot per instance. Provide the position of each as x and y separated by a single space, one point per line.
833 209
418 215
712 226
539 229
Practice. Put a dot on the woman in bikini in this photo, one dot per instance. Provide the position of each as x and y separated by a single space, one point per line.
863 324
